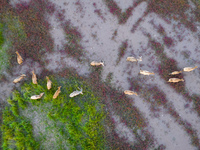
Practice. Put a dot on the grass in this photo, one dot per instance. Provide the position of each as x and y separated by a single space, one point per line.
1 34
16 130
3 55
11 29
128 113
122 106
38 39
79 119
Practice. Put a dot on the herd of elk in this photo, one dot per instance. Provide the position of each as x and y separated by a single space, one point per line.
145 72
49 82
95 63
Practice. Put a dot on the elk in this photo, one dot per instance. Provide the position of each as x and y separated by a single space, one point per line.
19 78
175 72
188 69
128 92
175 80
48 83
94 63
19 58
75 93
37 96
133 59
57 93
34 78
144 72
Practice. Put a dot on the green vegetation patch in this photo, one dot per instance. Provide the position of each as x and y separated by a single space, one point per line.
1 34
16 130
11 29
3 49
76 123
14 28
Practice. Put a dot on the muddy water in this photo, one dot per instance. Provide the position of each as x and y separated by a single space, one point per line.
98 45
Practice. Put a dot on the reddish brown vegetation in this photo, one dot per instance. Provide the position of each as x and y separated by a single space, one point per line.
172 9
168 7
98 12
159 98
117 11
196 101
168 65
73 37
187 126
122 107
157 47
168 41
36 28
161 30
122 50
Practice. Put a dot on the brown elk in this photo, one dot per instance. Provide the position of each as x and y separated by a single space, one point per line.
128 92
34 78
19 78
19 58
175 80
57 93
37 96
48 83
188 69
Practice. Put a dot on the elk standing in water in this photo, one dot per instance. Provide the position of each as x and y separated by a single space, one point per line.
94 63
75 93
19 58
188 69
175 72
133 59
144 72
175 80
48 83
19 79
128 92
37 96
34 78
57 93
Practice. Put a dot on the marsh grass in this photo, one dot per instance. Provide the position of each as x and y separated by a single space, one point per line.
167 66
10 29
38 39
78 120
122 50
16 130
2 39
175 9
113 100
73 38
3 48
157 99
117 11
196 102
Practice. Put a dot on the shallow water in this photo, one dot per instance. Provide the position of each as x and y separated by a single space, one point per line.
98 45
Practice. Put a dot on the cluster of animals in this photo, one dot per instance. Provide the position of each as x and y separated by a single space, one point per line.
94 63
49 82
145 72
